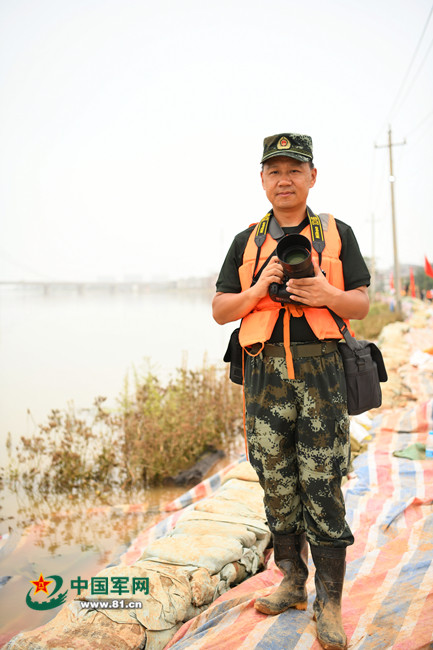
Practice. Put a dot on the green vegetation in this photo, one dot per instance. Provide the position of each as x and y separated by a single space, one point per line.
156 432
378 316
166 429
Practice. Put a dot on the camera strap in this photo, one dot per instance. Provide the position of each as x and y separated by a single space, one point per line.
270 225
317 237
267 225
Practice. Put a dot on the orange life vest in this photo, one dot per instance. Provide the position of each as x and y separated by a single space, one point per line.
258 325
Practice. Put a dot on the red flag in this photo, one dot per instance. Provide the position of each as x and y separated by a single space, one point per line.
412 284
427 267
391 282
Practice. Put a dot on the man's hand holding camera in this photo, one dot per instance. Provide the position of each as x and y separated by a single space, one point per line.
313 292
273 272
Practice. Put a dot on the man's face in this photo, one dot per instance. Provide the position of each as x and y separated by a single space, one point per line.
287 182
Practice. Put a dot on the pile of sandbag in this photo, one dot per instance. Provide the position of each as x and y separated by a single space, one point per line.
406 348
215 544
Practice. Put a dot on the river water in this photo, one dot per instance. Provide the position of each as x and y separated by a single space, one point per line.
66 346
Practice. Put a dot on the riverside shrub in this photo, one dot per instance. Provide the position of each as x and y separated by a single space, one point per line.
157 431
167 428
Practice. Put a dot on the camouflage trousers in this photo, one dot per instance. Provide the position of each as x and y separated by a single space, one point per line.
299 445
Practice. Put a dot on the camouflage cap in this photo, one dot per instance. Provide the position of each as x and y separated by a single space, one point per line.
292 145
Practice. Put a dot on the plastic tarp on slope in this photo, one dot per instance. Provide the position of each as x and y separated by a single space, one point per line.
388 592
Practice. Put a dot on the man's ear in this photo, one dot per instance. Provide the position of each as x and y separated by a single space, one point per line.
313 177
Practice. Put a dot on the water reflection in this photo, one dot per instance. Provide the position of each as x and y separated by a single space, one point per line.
54 521
69 537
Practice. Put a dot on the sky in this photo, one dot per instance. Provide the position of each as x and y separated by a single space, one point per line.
131 132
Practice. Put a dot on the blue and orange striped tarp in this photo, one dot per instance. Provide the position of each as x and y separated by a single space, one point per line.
388 592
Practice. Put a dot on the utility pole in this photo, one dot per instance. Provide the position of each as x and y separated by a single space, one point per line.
397 286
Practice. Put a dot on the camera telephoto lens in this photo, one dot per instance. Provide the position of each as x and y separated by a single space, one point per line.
295 255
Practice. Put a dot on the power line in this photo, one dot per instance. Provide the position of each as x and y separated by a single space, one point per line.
397 97
416 74
411 63
420 137
424 119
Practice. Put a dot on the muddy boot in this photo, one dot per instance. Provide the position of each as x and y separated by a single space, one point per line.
330 563
291 555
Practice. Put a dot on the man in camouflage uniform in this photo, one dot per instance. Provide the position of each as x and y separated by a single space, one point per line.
298 428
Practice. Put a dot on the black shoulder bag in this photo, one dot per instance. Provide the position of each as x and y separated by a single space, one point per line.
233 356
364 369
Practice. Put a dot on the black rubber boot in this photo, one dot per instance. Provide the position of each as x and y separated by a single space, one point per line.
291 556
330 563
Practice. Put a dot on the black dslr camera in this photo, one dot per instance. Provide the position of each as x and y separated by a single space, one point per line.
294 255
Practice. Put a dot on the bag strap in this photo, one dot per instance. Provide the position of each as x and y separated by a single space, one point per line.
318 243
350 340
264 265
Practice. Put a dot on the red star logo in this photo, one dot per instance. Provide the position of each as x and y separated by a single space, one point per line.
41 584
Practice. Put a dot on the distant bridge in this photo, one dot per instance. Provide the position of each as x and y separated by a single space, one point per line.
48 286
82 287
